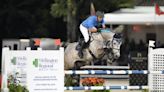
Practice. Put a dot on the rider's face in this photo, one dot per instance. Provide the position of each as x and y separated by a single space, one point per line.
99 18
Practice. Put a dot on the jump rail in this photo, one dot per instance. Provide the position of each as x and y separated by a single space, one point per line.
106 67
106 72
106 87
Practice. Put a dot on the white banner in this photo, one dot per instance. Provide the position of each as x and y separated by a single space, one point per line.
36 70
46 70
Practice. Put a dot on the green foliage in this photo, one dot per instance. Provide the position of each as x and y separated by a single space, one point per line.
17 88
145 90
25 18
59 8
14 85
69 81
126 3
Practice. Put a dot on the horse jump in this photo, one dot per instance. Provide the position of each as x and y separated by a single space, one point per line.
155 73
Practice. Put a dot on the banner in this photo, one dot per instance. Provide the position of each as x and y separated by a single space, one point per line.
46 71
34 70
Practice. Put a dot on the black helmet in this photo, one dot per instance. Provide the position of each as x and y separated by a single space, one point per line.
99 13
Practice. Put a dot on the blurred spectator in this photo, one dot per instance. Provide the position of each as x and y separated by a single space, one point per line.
132 45
141 46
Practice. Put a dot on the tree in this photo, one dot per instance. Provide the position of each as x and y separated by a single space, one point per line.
73 11
67 9
25 18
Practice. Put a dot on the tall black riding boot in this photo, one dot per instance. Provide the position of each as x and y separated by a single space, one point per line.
80 53
78 47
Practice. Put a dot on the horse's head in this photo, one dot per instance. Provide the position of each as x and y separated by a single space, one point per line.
112 43
113 46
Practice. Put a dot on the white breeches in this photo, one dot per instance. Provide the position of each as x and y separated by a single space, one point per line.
85 33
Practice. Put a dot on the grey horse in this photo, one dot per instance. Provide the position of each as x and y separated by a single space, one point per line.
102 45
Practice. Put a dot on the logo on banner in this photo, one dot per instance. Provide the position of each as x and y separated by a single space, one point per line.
44 63
35 62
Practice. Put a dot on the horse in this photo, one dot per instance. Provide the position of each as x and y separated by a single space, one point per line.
102 45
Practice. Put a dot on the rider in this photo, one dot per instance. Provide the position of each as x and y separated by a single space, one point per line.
88 26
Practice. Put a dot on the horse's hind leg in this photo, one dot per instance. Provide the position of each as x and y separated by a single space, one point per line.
78 65
76 77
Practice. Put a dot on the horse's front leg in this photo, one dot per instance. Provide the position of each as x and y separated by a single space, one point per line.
92 63
109 62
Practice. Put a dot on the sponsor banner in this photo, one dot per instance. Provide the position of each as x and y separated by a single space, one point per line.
34 70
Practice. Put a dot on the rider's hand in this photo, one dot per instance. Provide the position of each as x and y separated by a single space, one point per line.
103 26
93 29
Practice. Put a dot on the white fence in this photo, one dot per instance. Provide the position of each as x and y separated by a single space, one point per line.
156 63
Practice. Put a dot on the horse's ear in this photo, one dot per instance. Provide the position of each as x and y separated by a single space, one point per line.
117 35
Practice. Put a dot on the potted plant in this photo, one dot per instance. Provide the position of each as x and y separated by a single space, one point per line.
14 84
92 81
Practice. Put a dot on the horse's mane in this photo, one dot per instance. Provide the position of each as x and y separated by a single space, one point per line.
102 35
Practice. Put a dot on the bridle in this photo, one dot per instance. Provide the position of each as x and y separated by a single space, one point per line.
110 47
113 44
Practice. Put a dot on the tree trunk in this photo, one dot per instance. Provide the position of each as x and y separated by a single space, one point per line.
71 28
71 21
